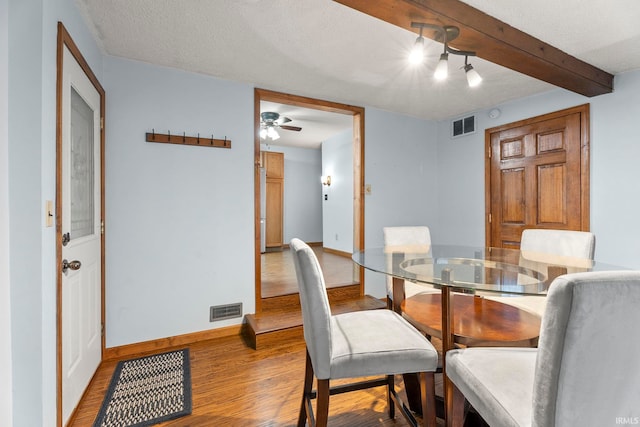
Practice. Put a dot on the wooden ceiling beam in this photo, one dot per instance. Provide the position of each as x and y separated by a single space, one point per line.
494 41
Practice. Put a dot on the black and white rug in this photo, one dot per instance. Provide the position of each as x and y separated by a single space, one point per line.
147 391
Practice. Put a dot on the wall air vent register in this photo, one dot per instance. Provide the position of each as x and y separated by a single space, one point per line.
463 126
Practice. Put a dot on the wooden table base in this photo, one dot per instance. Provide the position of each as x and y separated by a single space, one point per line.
471 321
476 321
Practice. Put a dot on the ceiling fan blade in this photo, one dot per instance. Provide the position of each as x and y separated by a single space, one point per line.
294 128
283 119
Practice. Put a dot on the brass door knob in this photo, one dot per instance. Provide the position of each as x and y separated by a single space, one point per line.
73 265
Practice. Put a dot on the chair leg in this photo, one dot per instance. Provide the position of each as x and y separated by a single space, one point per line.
306 392
322 403
428 398
456 418
412 388
391 386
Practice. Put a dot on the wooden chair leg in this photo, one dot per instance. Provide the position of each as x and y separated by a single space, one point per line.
412 389
456 418
391 386
428 398
322 403
306 392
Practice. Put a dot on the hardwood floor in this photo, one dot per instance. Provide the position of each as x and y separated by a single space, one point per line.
279 275
234 385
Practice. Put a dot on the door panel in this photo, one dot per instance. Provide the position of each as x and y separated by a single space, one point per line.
513 191
537 175
552 205
274 214
80 216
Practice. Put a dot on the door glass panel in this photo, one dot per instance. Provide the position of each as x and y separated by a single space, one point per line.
81 167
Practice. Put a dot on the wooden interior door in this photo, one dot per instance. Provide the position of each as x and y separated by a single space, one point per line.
274 194
273 218
537 175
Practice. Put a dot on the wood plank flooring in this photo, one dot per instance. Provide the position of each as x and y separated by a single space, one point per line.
234 385
279 275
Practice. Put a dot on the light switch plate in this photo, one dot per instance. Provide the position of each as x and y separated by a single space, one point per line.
48 213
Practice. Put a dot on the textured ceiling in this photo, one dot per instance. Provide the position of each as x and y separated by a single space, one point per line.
322 49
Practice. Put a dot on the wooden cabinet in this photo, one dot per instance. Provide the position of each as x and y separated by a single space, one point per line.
274 189
274 164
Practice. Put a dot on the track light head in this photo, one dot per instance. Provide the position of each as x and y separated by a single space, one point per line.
473 78
416 56
442 70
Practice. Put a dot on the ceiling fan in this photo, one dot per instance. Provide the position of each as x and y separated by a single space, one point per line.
269 121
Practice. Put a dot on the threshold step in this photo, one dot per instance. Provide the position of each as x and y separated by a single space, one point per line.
276 327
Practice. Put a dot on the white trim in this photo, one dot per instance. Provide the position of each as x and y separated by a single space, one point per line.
6 403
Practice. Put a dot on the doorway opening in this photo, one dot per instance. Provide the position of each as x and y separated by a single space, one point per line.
357 116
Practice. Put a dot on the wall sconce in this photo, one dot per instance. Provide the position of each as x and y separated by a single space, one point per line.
326 180
445 35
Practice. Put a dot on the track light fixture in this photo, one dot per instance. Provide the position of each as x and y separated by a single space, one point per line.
444 34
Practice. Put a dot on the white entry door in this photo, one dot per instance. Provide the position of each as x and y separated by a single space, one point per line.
81 334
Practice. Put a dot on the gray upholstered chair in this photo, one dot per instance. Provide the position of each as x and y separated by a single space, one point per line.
539 247
406 239
585 371
358 344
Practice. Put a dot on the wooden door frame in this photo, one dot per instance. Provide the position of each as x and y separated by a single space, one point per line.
358 170
585 121
65 40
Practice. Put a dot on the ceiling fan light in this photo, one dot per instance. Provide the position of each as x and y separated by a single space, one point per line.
473 78
272 133
416 56
442 70
263 133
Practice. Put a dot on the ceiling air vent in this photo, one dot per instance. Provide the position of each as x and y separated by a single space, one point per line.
463 126
222 312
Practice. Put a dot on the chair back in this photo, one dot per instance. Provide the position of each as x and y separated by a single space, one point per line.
576 244
413 239
587 368
316 312
406 239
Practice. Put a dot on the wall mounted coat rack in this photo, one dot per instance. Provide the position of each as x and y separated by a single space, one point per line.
169 138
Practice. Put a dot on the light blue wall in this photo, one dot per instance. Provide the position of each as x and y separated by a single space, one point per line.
615 194
27 263
401 164
32 118
302 208
337 210
179 219
6 386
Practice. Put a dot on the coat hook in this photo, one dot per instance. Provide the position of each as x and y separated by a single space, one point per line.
153 133
225 140
184 137
169 135
211 142
198 138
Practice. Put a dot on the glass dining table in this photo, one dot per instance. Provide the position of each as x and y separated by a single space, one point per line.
470 295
